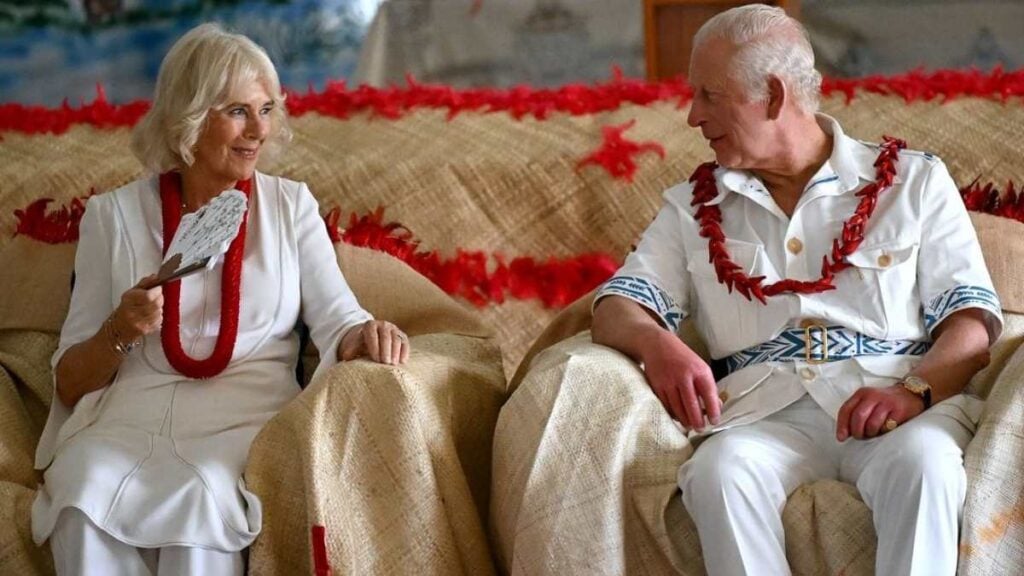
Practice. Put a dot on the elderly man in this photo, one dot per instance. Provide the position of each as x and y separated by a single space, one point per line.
840 285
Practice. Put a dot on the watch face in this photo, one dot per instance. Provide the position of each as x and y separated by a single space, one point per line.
916 385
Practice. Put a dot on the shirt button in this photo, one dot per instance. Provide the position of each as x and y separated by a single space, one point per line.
794 245
723 396
884 260
807 374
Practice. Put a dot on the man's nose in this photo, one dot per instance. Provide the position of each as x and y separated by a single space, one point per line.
695 116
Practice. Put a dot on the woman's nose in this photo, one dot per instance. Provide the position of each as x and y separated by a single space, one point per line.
258 127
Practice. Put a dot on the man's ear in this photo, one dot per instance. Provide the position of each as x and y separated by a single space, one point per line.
777 97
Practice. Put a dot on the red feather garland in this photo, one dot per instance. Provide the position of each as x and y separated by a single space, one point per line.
616 153
57 227
337 100
474 275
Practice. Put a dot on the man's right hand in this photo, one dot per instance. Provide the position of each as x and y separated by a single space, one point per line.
682 380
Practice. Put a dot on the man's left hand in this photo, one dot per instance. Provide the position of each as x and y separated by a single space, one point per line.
864 414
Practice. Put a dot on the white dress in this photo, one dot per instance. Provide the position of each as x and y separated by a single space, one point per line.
155 458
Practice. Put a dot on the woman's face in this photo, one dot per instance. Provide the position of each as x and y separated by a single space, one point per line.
230 143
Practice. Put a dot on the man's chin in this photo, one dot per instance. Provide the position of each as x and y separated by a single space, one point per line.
725 161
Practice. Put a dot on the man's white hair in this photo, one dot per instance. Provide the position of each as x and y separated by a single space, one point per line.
202 71
769 42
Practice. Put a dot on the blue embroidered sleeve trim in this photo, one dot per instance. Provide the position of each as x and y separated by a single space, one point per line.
959 298
647 295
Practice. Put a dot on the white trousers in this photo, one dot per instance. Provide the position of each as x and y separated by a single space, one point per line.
913 479
80 548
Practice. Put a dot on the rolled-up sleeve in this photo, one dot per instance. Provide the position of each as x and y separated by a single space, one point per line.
951 269
655 274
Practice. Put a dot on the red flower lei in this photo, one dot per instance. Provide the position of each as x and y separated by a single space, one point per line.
729 273
231 280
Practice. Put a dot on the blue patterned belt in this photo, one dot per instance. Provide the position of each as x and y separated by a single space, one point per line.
818 344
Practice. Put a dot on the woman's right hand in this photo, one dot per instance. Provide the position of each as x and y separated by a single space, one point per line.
141 310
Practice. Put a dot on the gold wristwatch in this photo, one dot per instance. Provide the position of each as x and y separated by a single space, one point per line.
919 386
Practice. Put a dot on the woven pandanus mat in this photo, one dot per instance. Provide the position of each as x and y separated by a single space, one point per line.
494 182
508 186
974 137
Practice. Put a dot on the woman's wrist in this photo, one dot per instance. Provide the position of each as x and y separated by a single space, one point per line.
120 343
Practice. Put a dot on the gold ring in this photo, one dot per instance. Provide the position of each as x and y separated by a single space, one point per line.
890 424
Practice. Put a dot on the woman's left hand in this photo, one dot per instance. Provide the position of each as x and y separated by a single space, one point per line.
381 340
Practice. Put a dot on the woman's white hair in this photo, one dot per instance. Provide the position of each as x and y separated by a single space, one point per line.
202 71
768 42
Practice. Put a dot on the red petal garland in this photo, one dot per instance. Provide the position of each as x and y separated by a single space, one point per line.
705 189
616 153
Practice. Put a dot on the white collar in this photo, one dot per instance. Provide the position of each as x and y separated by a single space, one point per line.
850 163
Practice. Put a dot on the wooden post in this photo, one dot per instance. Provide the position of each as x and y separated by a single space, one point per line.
669 26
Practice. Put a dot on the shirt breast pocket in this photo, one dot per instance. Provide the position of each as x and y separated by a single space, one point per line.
889 272
726 319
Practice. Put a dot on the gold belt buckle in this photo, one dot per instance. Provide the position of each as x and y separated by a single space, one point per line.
808 343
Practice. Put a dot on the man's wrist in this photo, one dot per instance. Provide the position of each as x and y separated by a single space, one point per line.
919 387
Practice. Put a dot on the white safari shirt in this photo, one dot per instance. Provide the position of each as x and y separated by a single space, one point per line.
919 262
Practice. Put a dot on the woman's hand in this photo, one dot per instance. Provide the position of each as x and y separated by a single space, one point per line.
141 310
382 341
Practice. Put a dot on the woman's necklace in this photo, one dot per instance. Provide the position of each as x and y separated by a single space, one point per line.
731 275
172 207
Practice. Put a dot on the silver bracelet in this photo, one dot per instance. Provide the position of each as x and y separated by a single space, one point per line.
114 337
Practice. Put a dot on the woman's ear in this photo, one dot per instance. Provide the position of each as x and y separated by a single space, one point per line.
777 96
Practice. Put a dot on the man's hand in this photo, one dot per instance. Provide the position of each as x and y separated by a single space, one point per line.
864 414
682 381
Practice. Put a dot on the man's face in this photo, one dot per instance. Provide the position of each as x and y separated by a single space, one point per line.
736 129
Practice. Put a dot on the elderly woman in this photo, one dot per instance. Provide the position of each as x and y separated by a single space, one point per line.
160 390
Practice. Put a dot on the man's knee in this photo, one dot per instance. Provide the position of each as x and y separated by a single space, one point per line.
921 456
721 465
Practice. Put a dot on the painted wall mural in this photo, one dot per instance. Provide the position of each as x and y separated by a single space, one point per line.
52 49
56 49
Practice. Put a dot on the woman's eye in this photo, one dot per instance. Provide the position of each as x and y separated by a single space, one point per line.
266 111
237 112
